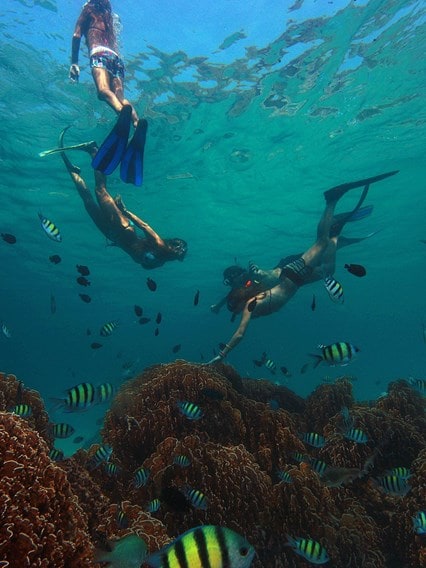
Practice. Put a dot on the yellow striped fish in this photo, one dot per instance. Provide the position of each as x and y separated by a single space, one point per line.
50 228
207 546
334 289
108 328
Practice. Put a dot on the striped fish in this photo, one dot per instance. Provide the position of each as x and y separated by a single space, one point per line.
196 498
299 457
122 519
284 476
418 384
340 353
334 289
182 461
104 392
56 455
394 485
62 430
79 397
356 435
50 228
153 506
318 466
112 469
419 522
314 439
309 549
271 366
141 476
207 546
22 410
6 331
402 472
190 410
108 328
102 454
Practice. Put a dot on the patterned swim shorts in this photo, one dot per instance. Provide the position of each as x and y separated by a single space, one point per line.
110 61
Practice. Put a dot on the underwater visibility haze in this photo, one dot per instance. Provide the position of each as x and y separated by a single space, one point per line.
254 110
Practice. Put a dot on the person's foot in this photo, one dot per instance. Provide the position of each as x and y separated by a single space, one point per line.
89 147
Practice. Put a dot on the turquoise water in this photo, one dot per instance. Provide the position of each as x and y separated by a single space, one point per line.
254 109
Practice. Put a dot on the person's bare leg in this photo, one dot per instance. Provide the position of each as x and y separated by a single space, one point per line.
118 89
108 206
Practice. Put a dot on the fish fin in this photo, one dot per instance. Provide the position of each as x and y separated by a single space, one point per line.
113 147
131 169
317 357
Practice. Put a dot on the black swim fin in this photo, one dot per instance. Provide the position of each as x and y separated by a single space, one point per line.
131 169
113 147
336 192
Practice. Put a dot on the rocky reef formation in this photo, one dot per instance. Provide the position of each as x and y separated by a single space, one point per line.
237 450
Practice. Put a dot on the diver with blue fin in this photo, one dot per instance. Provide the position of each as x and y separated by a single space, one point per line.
115 150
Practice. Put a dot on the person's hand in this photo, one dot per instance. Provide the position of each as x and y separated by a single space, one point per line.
74 73
215 308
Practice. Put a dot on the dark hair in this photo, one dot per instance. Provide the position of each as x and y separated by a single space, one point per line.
104 7
238 297
178 247
231 273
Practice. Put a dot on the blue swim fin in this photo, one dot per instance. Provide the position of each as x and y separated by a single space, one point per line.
113 147
131 169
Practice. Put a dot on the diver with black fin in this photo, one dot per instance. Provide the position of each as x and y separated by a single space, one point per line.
114 149
317 260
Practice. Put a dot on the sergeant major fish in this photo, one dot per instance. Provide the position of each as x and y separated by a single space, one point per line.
50 228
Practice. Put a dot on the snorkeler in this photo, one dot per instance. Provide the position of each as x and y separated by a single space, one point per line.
96 24
311 266
253 277
117 223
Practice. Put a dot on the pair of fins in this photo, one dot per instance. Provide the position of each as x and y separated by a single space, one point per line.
115 150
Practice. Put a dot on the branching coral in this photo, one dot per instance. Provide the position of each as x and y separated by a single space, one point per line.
13 392
42 522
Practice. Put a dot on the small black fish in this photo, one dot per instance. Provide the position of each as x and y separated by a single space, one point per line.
158 318
314 303
52 304
55 258
138 310
251 306
85 298
83 281
356 269
143 321
95 345
151 284
196 297
176 348
84 271
285 371
8 238
78 439
257 363
156 332
88 332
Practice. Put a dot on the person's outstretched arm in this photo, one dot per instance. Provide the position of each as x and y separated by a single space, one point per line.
74 73
237 337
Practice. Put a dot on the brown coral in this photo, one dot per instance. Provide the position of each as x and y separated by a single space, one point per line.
42 522
13 392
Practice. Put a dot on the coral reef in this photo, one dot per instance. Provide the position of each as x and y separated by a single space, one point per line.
233 454
13 392
42 522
